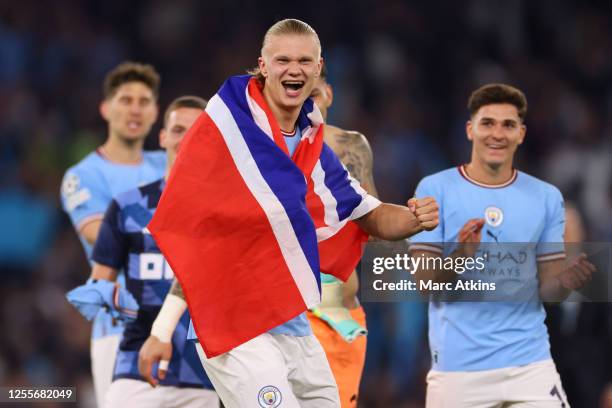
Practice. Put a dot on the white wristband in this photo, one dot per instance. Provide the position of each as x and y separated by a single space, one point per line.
168 317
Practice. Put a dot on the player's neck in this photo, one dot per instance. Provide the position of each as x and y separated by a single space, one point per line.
486 174
119 151
286 118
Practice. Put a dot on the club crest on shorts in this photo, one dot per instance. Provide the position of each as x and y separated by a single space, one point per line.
494 216
269 397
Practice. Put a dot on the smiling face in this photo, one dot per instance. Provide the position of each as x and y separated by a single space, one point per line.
290 63
496 131
130 111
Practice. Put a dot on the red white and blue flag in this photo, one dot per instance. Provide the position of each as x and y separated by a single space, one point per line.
240 220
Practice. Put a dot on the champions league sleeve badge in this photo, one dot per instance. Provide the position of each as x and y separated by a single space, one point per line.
494 216
70 191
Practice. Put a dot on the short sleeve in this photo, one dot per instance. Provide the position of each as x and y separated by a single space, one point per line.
83 196
551 244
111 246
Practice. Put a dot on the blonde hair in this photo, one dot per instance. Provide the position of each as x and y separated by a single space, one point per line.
287 26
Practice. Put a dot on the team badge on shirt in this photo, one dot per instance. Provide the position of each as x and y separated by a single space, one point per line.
494 216
269 397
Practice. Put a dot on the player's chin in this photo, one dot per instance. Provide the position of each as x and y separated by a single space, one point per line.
496 160
294 102
134 135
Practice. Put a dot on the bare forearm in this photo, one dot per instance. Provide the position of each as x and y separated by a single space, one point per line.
103 272
552 290
90 231
550 287
390 222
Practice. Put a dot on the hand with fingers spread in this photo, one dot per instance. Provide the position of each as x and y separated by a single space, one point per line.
426 212
154 351
469 236
577 274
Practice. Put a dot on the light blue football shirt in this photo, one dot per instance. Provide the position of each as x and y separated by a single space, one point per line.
88 188
473 336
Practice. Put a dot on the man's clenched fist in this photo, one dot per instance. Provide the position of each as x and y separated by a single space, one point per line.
426 212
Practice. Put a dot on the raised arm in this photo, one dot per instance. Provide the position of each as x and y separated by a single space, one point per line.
394 222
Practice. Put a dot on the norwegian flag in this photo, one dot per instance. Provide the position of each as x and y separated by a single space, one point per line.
239 220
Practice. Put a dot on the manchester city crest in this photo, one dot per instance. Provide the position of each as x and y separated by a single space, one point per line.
494 216
269 397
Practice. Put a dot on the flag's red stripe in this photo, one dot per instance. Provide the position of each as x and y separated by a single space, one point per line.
315 206
340 254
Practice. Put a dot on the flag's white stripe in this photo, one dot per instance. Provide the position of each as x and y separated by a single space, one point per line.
272 207
259 115
324 233
367 204
325 194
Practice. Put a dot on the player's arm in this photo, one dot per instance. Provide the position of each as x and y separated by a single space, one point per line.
105 272
102 291
84 201
394 222
90 231
558 279
158 347
354 151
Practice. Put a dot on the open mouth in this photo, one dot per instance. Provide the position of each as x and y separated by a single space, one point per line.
133 125
293 87
496 146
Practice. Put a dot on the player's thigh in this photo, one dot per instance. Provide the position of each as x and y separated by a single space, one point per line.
175 397
128 393
310 376
253 373
464 389
103 353
536 385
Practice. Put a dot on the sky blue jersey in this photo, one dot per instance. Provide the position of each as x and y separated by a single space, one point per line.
87 189
473 336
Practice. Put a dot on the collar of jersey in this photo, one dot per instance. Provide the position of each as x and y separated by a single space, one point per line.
465 175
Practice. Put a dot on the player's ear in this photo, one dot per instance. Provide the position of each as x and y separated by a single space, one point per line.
103 109
319 68
468 130
262 67
330 93
523 133
162 138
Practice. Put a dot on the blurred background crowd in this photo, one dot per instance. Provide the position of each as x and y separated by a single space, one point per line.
401 71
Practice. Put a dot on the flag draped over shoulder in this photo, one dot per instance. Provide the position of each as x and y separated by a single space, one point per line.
239 220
